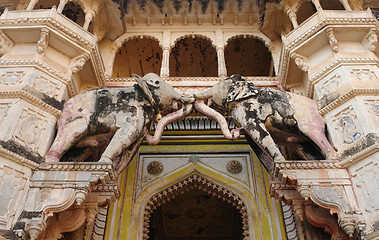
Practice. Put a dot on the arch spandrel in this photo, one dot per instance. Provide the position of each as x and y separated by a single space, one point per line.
176 37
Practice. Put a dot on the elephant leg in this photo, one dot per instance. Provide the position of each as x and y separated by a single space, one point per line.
67 136
263 138
122 139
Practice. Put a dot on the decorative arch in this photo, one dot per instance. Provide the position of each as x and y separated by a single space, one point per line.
75 11
157 192
176 40
248 55
144 55
193 56
46 4
264 39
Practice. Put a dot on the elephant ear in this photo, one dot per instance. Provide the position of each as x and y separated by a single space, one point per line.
241 90
142 83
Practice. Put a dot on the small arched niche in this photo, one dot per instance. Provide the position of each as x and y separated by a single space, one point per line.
247 56
193 57
306 10
138 56
74 12
195 209
331 5
46 4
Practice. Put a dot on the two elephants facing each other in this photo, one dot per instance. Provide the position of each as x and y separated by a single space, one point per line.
268 117
114 121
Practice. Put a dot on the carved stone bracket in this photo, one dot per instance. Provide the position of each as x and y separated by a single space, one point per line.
372 39
5 43
78 62
301 61
65 191
325 183
43 41
332 39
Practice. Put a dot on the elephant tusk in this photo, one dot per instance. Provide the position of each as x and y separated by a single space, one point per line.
169 118
207 111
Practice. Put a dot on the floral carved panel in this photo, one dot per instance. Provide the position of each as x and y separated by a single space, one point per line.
11 77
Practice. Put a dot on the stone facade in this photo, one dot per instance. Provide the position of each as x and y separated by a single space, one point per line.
51 51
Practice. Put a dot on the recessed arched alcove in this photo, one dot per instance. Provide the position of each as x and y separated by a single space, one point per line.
247 56
306 10
74 12
193 57
138 56
196 208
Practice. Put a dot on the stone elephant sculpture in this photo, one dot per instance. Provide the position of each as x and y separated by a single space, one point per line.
121 117
268 117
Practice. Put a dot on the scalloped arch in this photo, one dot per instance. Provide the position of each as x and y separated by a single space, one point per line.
174 42
124 38
265 41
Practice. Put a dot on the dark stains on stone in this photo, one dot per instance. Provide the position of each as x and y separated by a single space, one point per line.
21 150
8 234
30 214
44 97
327 99
367 141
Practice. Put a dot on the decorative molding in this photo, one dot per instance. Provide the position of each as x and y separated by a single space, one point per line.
346 97
372 40
300 61
299 165
234 166
31 99
11 77
155 167
17 158
78 62
5 43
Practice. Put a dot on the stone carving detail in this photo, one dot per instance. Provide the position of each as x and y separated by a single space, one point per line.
78 63
31 128
47 86
373 108
234 166
372 40
43 41
332 39
12 184
5 44
300 61
155 167
367 182
331 85
255 108
364 74
3 111
11 78
120 117
347 126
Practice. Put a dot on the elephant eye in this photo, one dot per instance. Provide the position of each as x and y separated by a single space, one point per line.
156 82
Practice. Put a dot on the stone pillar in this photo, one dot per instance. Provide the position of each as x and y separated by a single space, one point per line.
221 62
62 4
165 67
88 18
346 5
292 16
317 5
31 5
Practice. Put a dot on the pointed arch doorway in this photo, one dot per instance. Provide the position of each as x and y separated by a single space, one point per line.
196 209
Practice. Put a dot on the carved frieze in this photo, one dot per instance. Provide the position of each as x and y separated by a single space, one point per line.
48 86
372 106
11 77
4 107
31 129
346 124
363 74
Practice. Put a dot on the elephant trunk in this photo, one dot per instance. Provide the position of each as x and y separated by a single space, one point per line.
169 118
207 111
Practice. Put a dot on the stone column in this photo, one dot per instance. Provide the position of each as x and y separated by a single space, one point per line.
292 16
31 5
62 4
346 5
317 5
88 18
165 68
221 62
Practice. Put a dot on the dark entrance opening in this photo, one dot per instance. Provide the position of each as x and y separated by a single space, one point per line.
196 214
